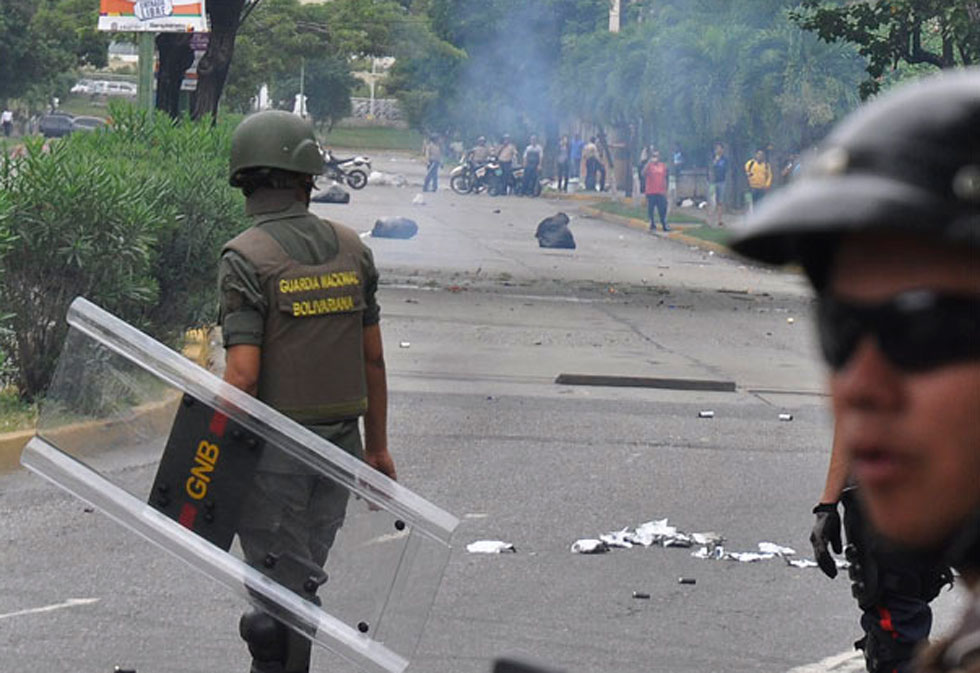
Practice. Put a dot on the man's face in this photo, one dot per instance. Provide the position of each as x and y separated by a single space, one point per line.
760 156
913 438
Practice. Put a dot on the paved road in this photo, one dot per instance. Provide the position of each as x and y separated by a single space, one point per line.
479 427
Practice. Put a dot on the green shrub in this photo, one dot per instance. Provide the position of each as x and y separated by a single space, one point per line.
131 217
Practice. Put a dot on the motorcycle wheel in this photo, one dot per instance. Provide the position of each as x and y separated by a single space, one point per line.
493 189
461 184
537 188
357 179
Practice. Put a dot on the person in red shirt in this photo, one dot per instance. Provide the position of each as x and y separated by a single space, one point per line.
655 175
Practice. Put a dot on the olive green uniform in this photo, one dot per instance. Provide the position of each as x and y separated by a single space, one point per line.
304 281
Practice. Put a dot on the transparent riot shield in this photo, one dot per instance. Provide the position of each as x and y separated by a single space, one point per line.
268 508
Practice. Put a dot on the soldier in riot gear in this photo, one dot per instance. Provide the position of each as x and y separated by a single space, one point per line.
893 588
301 329
886 223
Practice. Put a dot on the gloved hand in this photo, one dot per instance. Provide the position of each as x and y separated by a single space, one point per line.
826 533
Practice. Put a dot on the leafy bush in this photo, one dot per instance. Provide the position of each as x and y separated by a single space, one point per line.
131 217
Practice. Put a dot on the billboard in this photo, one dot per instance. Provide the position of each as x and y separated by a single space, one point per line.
153 16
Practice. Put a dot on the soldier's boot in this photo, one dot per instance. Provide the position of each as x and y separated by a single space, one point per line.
267 641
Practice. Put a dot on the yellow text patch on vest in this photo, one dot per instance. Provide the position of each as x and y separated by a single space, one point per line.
317 282
315 307
204 462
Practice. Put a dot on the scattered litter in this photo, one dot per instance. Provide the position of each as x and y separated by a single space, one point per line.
773 548
387 179
785 417
686 580
405 344
706 414
88 510
455 289
418 200
411 301
553 232
490 547
394 227
496 211
802 563
333 194
790 320
659 532
641 594
589 547
687 203
711 253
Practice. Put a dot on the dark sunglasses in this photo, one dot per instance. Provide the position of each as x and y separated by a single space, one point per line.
916 330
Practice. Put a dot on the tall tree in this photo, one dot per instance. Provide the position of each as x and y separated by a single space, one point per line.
939 33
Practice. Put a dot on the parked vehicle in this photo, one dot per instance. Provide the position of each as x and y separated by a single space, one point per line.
87 124
353 170
55 125
469 177
83 86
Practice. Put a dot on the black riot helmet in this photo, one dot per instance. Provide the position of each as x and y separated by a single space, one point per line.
909 161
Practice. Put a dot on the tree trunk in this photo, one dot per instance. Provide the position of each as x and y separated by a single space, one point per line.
212 71
176 57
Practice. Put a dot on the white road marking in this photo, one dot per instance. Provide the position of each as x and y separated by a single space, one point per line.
70 603
846 662
475 515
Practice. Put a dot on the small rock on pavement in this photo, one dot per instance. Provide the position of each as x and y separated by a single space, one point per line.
394 227
405 344
589 547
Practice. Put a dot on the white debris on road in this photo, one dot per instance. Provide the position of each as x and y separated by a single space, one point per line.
589 547
490 547
659 532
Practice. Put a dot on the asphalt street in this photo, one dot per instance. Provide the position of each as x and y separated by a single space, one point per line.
478 322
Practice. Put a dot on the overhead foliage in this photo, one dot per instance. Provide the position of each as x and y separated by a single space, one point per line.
41 41
938 33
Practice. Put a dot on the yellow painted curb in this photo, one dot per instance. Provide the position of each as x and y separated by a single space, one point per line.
643 225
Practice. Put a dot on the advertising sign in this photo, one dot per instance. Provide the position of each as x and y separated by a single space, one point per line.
153 16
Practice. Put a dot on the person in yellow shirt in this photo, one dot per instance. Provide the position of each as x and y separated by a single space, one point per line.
759 173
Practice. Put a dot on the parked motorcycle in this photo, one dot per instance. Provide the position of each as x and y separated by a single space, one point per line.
353 170
471 178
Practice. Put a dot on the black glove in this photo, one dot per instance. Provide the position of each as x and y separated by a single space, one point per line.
826 532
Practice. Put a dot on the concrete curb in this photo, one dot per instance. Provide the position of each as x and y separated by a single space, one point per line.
643 225
155 416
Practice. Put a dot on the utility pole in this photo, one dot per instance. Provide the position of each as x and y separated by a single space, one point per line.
145 85
614 15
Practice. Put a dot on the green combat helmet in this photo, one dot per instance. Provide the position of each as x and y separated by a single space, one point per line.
274 139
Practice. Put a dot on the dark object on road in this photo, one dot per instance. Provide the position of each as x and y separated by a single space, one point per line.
686 580
333 194
55 125
394 227
514 666
644 382
641 594
553 232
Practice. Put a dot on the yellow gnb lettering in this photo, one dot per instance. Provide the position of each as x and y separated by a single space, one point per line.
204 462
340 279
315 307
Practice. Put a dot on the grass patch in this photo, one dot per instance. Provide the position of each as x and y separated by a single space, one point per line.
374 138
713 234
15 413
84 106
627 209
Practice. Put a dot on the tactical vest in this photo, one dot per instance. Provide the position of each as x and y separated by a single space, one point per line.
312 366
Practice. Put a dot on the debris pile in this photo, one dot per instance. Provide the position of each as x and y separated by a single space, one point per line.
380 179
490 547
661 534
332 194
553 232
394 227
